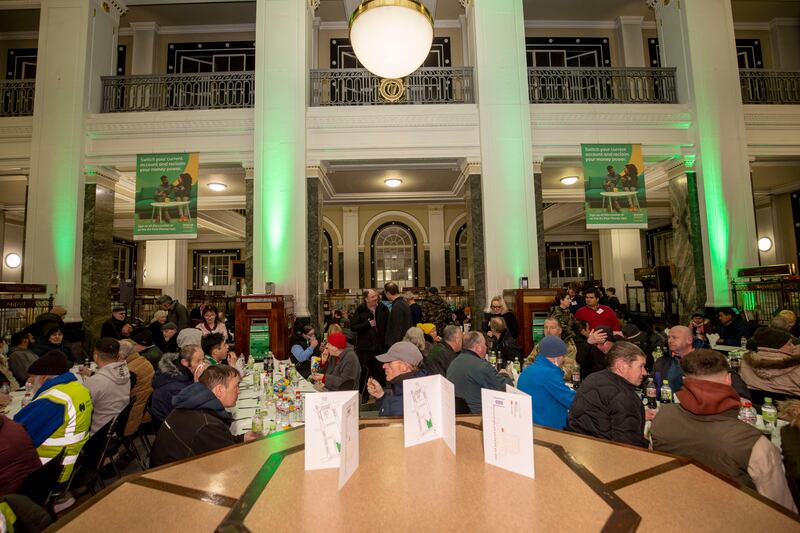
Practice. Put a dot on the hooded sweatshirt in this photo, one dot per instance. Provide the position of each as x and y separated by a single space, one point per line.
170 380
110 388
705 427
198 424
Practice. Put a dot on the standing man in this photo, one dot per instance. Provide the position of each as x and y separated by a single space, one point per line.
470 372
443 353
435 310
176 311
596 314
544 382
399 317
60 415
705 427
110 386
369 323
607 406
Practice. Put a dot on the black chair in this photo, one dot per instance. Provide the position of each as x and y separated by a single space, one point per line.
116 436
84 474
42 484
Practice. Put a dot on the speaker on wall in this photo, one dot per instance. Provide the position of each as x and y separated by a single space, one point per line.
554 261
237 269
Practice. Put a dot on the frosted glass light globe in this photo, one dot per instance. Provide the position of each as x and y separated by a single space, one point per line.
391 38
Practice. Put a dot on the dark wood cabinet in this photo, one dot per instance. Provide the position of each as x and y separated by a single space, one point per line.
531 307
277 310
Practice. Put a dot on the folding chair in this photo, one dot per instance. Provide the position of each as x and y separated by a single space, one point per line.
42 484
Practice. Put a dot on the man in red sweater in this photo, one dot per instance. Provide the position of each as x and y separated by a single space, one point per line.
597 315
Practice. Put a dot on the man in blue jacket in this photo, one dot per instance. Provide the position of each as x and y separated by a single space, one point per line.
544 381
400 363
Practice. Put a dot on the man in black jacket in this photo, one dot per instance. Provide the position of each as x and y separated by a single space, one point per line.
400 316
199 423
442 353
607 406
369 323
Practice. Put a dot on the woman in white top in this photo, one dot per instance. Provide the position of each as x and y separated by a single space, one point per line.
211 322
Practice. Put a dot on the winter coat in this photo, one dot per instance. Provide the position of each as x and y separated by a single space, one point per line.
170 379
110 389
18 457
142 389
772 370
391 403
178 315
544 382
470 373
439 358
732 334
370 339
436 311
508 347
198 424
112 328
19 359
607 406
42 346
158 336
342 372
510 320
789 411
399 321
591 359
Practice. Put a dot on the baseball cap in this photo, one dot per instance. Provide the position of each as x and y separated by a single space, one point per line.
402 351
631 332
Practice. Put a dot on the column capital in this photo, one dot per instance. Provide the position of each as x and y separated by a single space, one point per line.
99 175
145 26
313 5
628 19
249 169
465 3
469 167
538 161
350 211
115 8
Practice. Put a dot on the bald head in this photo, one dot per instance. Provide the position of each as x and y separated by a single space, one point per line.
680 340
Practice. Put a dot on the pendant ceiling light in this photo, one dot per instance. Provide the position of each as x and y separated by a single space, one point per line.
391 38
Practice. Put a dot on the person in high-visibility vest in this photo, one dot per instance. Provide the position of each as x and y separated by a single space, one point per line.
60 415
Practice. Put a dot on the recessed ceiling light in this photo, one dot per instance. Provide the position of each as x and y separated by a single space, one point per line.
217 187
393 182
569 180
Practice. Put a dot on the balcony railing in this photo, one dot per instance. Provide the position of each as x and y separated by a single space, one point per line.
769 87
16 97
579 85
171 92
355 86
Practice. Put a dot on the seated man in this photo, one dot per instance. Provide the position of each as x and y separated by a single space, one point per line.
669 367
400 363
773 365
504 343
199 423
553 326
60 415
146 346
705 427
544 382
20 356
470 372
731 327
175 373
141 383
607 406
110 386
443 353
339 366
215 348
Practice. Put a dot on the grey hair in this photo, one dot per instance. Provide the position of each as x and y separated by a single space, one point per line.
450 333
415 336
472 339
626 352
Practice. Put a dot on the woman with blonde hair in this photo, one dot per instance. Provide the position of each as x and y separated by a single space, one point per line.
498 308
159 319
791 318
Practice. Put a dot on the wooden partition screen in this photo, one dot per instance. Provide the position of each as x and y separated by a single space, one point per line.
278 310
526 305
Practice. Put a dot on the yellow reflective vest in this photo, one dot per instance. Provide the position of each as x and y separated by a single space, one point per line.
74 431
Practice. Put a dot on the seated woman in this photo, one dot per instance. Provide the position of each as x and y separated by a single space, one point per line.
159 319
53 339
304 345
416 336
497 307
339 366
211 323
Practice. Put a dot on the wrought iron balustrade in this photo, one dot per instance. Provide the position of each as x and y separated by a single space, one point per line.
580 85
172 92
769 86
16 97
355 86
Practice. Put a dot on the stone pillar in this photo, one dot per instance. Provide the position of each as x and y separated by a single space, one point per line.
166 264
784 37
498 30
145 35
783 229
629 41
436 237
98 246
537 188
247 256
622 252
314 223
475 247
77 45
350 247
687 247
283 34
697 37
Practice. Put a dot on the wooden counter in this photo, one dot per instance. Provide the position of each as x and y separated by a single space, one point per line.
582 484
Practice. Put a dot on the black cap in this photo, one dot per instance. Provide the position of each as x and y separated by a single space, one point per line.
432 290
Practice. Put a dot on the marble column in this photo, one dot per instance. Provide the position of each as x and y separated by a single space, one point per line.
145 46
247 254
537 189
697 37
166 263
475 246
497 30
77 45
622 253
629 41
283 40
98 245
436 237
350 247
687 251
314 223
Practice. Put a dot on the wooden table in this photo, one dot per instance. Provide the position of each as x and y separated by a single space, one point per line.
582 484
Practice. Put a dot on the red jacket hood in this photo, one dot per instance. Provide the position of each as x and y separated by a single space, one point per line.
702 397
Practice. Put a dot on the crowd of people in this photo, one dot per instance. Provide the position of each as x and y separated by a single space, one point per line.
587 375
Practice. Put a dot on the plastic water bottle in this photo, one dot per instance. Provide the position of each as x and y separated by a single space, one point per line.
517 365
28 394
493 359
666 392
747 413
257 426
769 414
658 353
651 393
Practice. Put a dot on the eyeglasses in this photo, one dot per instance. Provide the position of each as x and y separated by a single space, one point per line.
496 306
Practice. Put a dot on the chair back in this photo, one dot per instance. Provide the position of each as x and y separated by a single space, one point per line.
43 482
118 427
88 461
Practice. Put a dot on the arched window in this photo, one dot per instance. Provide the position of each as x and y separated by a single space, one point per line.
462 256
326 253
394 255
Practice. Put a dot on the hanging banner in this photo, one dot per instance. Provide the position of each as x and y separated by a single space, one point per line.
613 177
166 196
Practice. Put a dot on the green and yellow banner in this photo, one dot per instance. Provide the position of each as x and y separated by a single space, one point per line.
613 177
166 196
